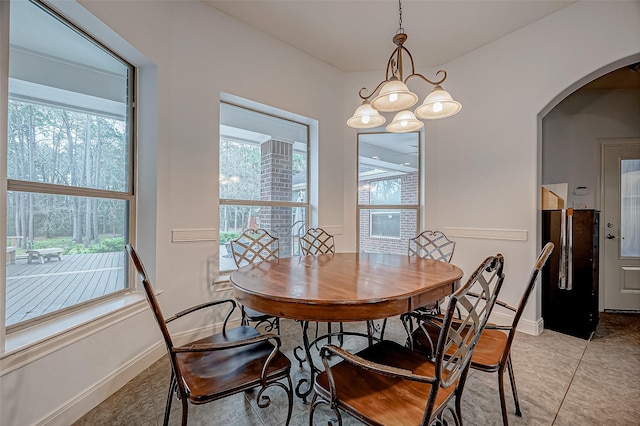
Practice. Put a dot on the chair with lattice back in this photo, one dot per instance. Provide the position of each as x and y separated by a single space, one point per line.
493 350
391 384
254 246
429 245
432 245
317 241
225 363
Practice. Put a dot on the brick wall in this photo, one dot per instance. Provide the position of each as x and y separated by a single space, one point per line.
408 218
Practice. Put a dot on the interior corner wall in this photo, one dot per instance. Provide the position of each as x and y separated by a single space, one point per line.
482 165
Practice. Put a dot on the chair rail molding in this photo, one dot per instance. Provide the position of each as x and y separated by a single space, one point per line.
193 235
488 233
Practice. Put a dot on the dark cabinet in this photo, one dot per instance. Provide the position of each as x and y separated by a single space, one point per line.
570 305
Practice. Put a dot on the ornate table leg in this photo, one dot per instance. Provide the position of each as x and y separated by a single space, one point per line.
312 369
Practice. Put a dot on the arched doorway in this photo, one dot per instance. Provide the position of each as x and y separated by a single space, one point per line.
604 105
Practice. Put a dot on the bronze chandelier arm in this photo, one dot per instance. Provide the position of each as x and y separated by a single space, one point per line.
372 93
435 83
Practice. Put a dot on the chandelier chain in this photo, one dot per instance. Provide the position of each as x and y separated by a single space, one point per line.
400 29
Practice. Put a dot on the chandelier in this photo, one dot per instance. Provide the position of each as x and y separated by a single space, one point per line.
393 95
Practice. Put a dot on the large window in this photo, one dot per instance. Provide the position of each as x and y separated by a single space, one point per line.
263 178
388 191
69 166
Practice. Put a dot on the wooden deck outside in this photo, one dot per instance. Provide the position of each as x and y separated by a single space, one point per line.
34 289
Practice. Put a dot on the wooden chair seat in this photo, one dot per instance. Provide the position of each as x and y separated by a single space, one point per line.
385 400
488 351
208 376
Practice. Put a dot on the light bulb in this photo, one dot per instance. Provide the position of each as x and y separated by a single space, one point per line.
365 119
437 107
393 97
403 123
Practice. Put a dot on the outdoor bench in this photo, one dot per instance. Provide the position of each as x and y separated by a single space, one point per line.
40 254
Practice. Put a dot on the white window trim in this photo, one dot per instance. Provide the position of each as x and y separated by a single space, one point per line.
417 207
222 283
18 350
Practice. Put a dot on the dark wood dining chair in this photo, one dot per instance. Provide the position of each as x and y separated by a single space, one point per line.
220 365
493 351
432 245
391 384
317 241
253 246
428 245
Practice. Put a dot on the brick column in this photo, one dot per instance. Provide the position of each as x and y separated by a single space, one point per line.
276 185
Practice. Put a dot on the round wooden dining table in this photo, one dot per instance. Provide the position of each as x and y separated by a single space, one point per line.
343 287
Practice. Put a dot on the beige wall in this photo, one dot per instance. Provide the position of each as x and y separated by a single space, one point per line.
481 165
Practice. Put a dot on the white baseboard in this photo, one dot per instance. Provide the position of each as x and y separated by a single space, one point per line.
91 397
525 326
85 401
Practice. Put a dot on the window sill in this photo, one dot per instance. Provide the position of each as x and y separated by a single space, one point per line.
28 345
383 237
222 283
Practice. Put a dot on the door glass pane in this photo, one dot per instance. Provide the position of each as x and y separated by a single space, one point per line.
630 208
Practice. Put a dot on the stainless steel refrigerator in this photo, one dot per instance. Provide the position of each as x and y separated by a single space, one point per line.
570 277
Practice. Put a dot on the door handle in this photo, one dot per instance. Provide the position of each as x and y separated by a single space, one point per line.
611 237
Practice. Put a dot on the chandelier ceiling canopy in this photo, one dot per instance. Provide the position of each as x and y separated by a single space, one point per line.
393 95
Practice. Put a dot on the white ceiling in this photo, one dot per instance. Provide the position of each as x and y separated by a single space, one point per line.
356 35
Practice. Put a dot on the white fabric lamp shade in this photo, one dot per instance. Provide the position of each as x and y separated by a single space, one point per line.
365 117
438 104
394 96
403 122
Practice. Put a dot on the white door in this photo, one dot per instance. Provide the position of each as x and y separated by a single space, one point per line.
621 224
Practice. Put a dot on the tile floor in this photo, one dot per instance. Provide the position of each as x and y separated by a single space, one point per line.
561 380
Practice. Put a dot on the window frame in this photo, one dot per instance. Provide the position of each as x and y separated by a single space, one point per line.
383 212
385 207
260 203
44 188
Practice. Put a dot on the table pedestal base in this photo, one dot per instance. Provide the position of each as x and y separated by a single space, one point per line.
307 344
